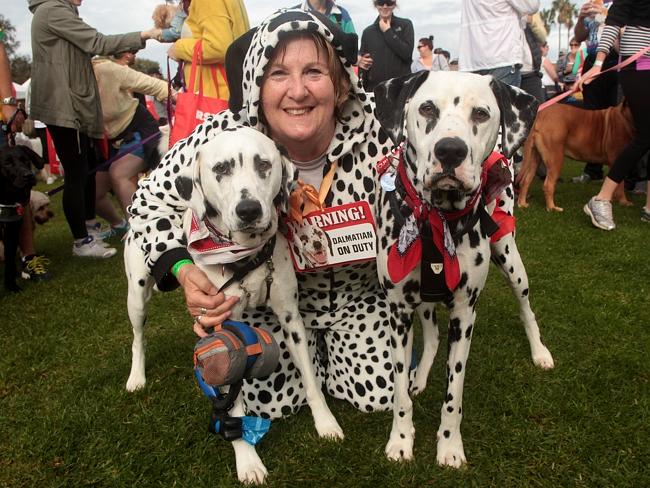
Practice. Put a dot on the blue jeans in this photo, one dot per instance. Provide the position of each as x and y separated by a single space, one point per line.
510 75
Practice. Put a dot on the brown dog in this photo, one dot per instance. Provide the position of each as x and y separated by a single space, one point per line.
597 136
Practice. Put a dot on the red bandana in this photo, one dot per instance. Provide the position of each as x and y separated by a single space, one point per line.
406 253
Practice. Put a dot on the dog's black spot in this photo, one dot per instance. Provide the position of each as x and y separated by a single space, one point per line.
184 187
141 282
210 211
474 129
449 398
479 259
459 367
446 433
295 337
454 330
456 100
524 293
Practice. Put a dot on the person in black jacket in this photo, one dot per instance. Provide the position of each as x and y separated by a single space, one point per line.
386 46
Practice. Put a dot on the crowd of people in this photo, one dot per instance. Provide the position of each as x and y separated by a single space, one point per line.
81 99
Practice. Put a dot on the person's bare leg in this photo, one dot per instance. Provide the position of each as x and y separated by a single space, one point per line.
122 172
103 205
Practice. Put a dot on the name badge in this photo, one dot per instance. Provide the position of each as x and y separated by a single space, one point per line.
333 237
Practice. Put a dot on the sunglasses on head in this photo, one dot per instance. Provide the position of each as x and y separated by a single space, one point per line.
387 3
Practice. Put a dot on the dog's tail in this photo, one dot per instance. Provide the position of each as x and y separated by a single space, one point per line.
528 168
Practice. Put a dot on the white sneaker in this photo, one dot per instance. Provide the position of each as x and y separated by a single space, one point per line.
91 248
97 232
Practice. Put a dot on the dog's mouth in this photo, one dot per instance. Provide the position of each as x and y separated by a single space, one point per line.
445 182
318 257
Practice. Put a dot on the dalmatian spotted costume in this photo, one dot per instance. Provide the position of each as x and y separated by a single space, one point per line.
344 308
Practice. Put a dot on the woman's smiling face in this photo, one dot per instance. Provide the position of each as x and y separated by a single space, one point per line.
298 99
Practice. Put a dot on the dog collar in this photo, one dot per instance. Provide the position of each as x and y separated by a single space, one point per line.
11 213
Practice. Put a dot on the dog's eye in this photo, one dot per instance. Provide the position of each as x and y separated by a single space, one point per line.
263 165
480 114
222 168
428 110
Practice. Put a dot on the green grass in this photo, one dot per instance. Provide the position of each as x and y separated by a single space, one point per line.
67 421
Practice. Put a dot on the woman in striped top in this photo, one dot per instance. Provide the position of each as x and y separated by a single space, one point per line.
634 79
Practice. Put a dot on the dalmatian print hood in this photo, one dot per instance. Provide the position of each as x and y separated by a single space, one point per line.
356 114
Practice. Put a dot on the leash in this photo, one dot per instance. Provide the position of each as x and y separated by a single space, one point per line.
109 162
570 92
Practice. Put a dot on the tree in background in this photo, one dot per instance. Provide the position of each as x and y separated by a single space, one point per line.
21 69
570 12
10 42
548 17
146 66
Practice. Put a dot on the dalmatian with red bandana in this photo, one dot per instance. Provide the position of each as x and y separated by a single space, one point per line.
447 124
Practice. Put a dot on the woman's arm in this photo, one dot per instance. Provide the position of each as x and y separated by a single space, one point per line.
401 44
133 80
63 23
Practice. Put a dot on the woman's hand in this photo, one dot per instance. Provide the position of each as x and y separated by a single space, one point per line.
150 34
171 53
364 61
208 307
588 77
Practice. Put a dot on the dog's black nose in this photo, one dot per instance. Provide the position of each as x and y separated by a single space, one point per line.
249 210
450 151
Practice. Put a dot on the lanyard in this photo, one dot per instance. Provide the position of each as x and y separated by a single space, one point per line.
305 199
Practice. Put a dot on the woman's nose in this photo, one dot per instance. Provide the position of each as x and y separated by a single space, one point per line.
297 88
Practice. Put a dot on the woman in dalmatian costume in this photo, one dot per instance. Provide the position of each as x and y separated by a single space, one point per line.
343 307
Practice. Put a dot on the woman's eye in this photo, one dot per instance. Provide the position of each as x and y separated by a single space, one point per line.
480 115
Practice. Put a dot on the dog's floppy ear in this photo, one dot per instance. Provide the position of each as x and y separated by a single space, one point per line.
391 98
288 183
518 110
197 201
36 160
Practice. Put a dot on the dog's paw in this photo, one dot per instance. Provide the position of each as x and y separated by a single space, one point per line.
329 428
419 385
450 451
250 469
543 359
135 382
400 447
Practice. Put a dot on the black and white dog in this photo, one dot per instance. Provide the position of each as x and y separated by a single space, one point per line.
16 181
448 124
240 182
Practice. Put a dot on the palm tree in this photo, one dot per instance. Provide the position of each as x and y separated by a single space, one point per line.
548 17
558 6
570 13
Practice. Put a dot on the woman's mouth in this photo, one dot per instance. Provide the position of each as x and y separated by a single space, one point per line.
298 111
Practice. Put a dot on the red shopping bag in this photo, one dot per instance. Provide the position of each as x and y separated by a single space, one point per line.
192 108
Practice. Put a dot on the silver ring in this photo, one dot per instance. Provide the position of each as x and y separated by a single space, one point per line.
197 319
203 310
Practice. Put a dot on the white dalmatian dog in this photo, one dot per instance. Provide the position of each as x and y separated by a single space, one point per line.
314 243
449 123
240 182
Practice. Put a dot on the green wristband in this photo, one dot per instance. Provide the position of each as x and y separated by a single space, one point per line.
177 267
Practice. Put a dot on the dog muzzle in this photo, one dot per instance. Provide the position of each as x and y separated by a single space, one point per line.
226 357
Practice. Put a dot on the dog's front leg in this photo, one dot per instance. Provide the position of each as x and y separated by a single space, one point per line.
250 468
293 330
140 286
427 315
506 257
461 323
402 435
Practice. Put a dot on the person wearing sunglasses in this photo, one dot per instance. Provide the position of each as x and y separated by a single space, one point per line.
492 37
386 46
429 60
